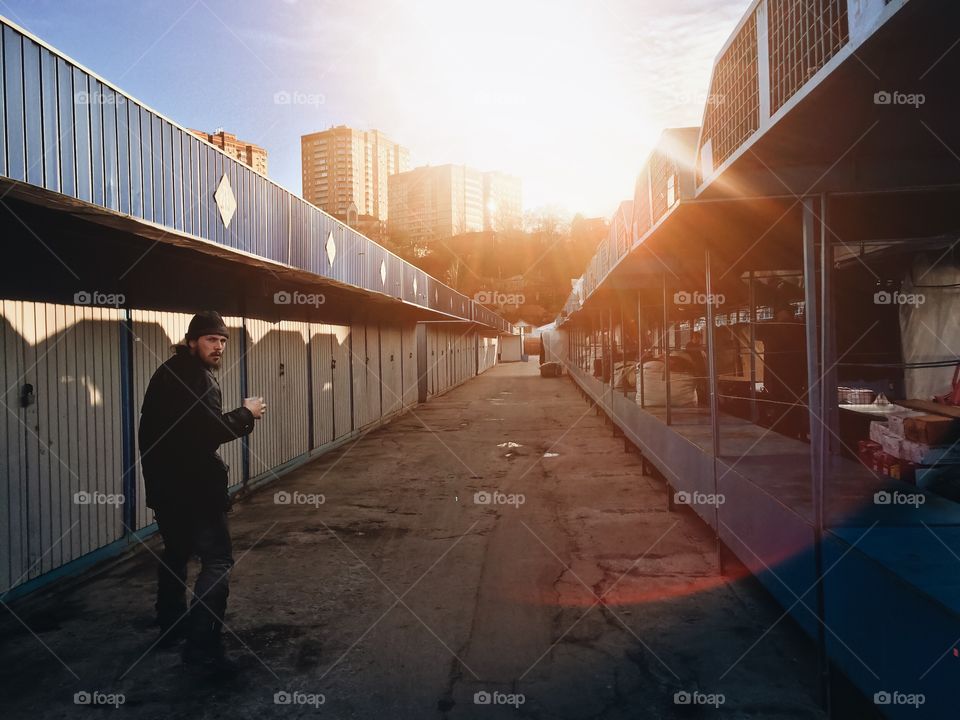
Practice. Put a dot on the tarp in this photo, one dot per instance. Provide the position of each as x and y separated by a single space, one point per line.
930 330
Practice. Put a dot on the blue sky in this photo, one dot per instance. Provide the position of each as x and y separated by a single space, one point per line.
570 96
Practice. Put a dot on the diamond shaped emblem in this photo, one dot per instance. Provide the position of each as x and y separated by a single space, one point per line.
383 272
331 248
226 201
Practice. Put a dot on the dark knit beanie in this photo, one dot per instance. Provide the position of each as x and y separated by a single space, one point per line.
206 322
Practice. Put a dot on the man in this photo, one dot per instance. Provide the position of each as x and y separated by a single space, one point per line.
181 427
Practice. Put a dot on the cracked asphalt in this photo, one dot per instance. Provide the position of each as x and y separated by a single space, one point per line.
452 571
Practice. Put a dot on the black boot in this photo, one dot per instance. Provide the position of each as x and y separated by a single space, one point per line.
204 650
172 633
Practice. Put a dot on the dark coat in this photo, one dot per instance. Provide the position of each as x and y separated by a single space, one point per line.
182 425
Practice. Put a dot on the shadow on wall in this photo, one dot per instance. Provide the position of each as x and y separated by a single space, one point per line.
74 379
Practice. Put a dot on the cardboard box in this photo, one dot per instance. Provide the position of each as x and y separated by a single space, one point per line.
891 445
878 431
913 451
895 423
930 429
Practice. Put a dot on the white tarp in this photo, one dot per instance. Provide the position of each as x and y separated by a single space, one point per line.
930 330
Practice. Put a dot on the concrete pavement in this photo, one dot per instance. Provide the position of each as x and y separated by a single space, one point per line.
450 561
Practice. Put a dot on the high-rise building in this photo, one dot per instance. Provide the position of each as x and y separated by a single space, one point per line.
434 202
502 202
247 153
343 166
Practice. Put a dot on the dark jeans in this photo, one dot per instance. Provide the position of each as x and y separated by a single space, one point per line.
187 532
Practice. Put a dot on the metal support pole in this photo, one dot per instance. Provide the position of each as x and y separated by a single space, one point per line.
754 410
712 361
623 348
640 346
711 339
591 360
610 347
814 394
666 352
830 425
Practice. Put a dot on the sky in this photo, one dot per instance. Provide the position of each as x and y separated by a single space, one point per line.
568 95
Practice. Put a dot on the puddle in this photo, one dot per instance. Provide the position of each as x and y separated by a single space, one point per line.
509 444
550 454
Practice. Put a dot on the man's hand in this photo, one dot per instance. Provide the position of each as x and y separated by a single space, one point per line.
256 406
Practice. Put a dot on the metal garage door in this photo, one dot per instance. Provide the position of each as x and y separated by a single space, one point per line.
321 359
67 439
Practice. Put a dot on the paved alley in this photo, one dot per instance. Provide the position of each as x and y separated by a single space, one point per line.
492 554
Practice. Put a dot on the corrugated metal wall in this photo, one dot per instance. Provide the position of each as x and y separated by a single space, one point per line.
391 368
359 359
321 363
75 376
341 340
455 353
64 362
408 339
487 353
262 349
